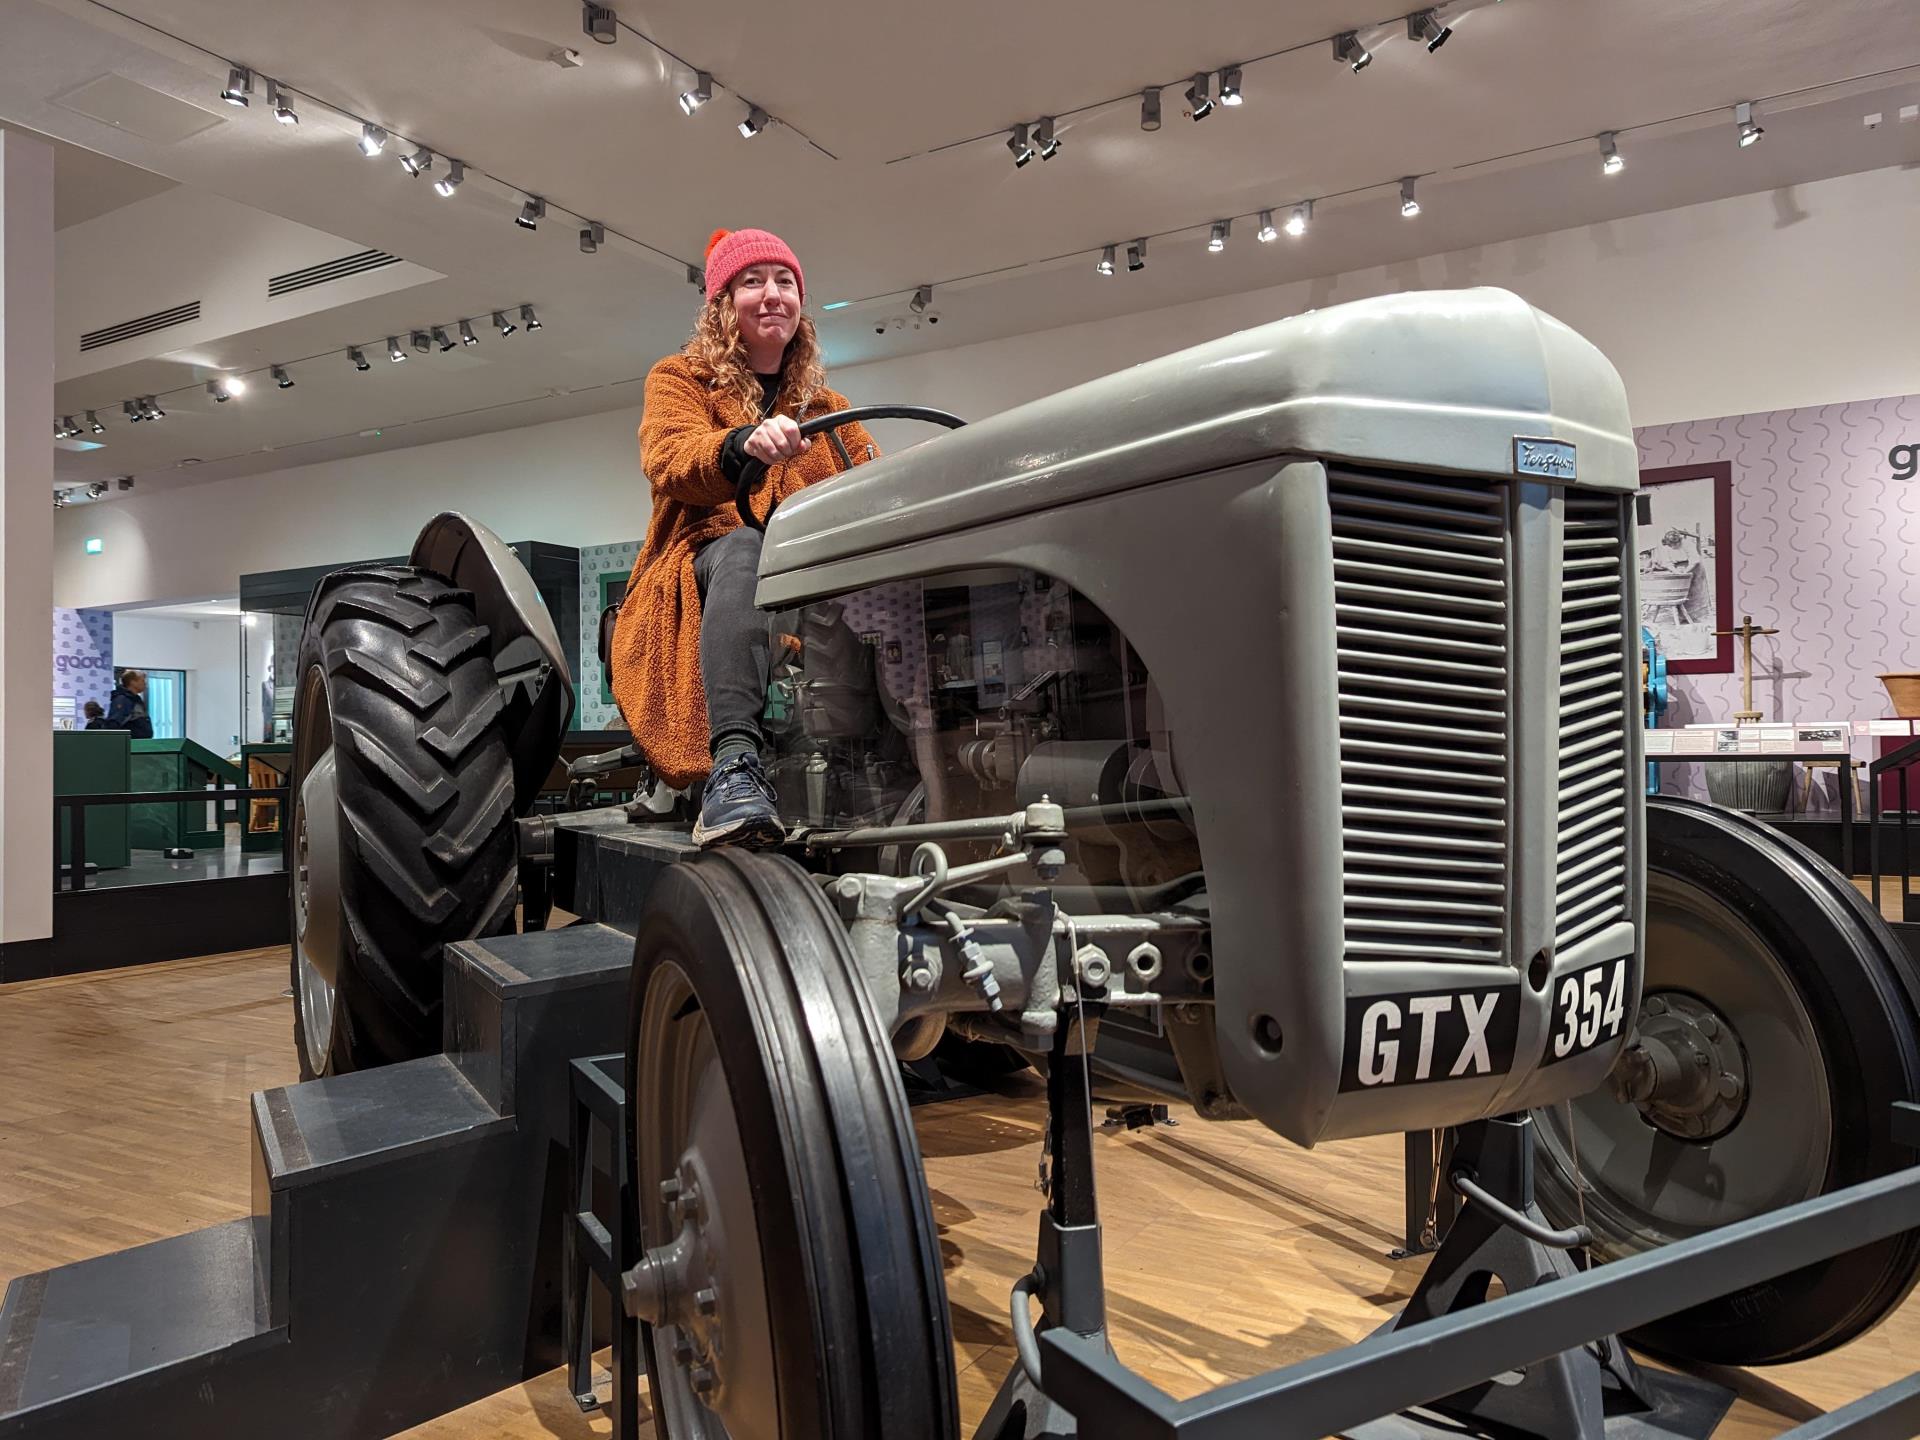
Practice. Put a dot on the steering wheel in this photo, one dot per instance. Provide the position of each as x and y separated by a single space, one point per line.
754 473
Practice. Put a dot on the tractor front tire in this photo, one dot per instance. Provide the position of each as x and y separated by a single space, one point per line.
403 810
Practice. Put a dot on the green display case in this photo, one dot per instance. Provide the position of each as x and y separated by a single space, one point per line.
267 767
94 762
178 765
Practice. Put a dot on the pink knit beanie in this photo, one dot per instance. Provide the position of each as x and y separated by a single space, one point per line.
731 251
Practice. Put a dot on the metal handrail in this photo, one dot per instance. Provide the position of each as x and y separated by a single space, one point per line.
74 833
1399 1369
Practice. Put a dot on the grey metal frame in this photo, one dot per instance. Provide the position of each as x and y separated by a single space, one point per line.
1405 1368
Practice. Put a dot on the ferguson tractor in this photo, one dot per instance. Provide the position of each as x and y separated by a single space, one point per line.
1275 703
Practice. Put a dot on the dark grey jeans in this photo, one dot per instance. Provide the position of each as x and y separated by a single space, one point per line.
733 635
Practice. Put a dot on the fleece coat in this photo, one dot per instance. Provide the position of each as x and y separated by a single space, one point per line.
656 641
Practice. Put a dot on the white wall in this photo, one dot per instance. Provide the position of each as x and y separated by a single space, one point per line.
1755 303
208 650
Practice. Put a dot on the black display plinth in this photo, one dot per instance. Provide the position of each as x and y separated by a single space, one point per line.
403 1258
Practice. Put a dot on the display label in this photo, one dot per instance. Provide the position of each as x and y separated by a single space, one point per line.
1414 1039
1554 459
1589 1008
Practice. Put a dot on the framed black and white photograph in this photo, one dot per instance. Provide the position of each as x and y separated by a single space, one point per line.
1686 566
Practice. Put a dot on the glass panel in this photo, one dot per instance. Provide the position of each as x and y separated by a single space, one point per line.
968 695
167 703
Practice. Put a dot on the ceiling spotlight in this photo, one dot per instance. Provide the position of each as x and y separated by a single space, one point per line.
1104 265
1230 85
1043 137
1409 206
1150 109
529 319
1350 52
1199 103
239 89
467 337
1425 25
702 91
154 412
1750 130
66 429
131 411
505 326
593 237
1266 232
372 139
440 337
1217 241
532 212
418 163
1610 161
394 352
420 342
93 424
1137 255
59 499
450 182
218 392
697 278
1297 222
282 105
280 376
97 489
359 360
755 122
125 482
599 23
1018 146
922 298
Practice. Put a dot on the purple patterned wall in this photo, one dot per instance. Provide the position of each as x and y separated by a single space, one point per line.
82 656
1826 548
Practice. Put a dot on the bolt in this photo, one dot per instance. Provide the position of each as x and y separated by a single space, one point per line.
683 1352
706 1301
1655 1005
1701 1060
670 1191
848 887
688 1205
1709 1026
919 978
701 1378
1730 1087
1093 967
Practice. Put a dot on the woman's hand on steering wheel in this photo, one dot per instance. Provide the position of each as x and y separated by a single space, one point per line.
774 439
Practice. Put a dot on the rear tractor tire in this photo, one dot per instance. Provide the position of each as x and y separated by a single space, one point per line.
402 813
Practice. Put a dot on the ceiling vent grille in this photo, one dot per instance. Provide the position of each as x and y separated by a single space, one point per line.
145 325
357 264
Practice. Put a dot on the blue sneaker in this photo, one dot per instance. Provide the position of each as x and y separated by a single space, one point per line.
737 807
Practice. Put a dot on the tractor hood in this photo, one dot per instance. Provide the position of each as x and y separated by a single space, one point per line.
1447 381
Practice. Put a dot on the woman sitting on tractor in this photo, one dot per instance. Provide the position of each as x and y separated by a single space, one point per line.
689 651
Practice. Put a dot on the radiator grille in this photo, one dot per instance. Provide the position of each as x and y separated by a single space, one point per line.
1590 869
142 325
355 264
1420 595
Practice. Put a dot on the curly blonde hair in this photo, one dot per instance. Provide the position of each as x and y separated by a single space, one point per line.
717 350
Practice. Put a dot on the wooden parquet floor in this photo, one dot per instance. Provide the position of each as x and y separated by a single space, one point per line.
123 1119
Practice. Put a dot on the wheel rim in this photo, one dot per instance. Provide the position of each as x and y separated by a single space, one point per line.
693 1186
316 874
1646 1183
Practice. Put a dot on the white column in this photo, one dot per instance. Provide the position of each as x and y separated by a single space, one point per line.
26 538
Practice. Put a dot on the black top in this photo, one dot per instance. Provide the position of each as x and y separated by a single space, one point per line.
733 456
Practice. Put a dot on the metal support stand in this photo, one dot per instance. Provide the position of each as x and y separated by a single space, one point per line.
596 1249
1067 1270
1585 1393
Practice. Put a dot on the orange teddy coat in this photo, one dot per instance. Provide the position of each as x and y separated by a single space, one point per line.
656 641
